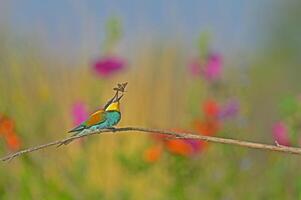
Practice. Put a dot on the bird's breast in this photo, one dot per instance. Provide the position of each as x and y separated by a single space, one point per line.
113 117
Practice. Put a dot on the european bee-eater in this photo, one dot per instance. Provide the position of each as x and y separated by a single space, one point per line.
104 118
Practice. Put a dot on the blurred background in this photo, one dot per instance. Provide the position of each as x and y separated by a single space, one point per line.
218 68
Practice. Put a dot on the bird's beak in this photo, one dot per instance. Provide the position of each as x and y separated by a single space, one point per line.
118 98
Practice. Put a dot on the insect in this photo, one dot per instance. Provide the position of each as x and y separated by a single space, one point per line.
120 87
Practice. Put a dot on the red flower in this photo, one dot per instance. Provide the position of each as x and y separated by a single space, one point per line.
7 130
13 141
207 127
211 108
179 146
6 125
183 147
153 153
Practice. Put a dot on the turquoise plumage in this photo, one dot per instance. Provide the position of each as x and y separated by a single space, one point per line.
107 117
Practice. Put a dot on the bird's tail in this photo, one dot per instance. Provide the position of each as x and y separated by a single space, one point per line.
77 129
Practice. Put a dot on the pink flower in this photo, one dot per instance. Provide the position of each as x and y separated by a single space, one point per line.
196 146
280 133
213 68
109 65
210 68
79 113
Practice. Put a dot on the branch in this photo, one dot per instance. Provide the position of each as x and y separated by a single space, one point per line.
181 135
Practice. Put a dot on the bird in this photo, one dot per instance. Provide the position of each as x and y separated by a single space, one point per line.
105 118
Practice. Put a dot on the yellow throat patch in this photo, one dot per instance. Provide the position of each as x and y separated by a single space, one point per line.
113 107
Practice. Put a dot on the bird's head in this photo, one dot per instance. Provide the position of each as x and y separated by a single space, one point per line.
114 104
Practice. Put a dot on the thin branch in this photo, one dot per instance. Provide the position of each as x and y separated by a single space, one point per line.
181 135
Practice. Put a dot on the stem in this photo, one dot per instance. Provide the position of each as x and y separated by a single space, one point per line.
172 134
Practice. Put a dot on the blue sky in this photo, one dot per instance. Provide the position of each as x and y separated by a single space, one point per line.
233 23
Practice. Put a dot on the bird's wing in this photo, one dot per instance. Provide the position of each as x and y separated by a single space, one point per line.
96 118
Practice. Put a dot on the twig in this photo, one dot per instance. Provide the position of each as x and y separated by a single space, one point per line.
181 135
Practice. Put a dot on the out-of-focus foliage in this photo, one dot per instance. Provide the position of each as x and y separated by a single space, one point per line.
205 91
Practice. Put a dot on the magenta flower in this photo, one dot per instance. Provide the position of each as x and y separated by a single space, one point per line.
213 68
280 133
79 113
196 146
229 110
109 65
210 69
